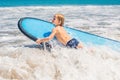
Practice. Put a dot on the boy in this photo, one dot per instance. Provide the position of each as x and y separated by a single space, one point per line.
60 33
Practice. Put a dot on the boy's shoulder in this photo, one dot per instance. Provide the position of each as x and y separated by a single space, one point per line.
54 29
57 28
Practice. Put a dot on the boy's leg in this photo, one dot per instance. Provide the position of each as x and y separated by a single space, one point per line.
80 45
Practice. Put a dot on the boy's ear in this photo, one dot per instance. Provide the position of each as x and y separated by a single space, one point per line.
59 22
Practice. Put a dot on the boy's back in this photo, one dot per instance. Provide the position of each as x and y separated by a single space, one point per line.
62 35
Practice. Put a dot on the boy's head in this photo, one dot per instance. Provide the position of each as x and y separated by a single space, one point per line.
58 20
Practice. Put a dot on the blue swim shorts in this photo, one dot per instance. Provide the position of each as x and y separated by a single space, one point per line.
73 43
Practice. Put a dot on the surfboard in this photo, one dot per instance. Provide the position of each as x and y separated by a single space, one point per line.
35 28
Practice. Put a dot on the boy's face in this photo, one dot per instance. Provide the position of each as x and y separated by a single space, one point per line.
55 21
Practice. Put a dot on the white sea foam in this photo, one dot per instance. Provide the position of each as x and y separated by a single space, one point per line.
62 64
21 59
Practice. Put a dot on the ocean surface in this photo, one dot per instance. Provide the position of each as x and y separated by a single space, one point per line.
22 59
57 2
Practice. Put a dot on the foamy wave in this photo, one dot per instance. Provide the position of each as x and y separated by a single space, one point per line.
32 63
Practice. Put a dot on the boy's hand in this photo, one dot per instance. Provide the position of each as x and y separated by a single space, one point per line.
38 41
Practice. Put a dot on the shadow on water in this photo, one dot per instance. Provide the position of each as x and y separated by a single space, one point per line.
33 46
42 46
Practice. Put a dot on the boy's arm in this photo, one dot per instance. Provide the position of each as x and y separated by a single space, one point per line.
47 38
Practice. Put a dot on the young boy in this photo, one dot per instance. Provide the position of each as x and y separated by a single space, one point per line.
60 33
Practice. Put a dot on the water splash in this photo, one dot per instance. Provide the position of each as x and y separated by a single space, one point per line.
23 63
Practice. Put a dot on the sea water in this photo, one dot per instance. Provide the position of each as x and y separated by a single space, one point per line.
22 59
57 2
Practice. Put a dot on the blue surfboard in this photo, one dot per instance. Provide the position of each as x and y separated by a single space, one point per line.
36 28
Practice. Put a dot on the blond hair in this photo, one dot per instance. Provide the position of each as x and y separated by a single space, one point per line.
60 18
